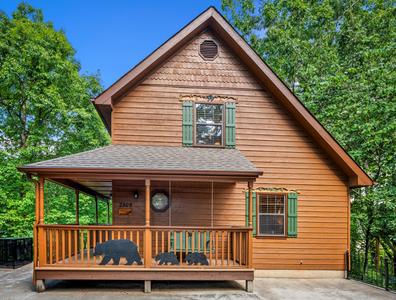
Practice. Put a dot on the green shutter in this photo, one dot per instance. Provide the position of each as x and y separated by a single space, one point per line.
230 125
187 123
254 218
292 214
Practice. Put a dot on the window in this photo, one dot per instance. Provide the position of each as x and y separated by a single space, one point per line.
209 124
271 214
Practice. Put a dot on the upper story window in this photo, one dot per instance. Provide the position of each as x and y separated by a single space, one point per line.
271 214
208 120
209 124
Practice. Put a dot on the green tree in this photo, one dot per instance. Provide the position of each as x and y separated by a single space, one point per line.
45 112
339 58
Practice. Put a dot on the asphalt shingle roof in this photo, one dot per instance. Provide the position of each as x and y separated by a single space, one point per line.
130 157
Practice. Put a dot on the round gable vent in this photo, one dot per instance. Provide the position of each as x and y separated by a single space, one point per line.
208 49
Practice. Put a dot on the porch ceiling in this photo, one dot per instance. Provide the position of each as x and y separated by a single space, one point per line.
97 168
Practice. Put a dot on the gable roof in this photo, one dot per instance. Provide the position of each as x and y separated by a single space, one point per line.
212 19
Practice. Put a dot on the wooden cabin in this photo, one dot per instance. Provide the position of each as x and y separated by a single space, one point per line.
213 162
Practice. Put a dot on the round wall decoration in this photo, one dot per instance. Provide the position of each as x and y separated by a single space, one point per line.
159 201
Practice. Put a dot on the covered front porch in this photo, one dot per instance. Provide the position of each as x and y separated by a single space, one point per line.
192 240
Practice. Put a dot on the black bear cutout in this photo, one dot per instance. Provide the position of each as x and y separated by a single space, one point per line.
197 258
166 258
115 249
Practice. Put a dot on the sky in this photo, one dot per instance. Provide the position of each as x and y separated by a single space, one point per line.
113 36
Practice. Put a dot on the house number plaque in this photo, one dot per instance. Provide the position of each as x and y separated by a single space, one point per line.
125 208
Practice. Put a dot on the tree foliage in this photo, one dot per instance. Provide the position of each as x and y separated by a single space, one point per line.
45 112
339 58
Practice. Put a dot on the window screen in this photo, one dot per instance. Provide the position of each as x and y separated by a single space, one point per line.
209 124
271 214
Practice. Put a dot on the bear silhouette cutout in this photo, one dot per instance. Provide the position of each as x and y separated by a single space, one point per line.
197 258
115 249
166 258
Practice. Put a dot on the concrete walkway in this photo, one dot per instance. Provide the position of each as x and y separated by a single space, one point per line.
17 284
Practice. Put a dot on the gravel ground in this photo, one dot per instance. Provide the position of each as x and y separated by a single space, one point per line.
17 284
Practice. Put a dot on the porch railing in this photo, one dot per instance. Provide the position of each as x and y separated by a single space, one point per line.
74 245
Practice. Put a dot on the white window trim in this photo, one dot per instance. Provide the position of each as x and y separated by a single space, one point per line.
195 124
271 214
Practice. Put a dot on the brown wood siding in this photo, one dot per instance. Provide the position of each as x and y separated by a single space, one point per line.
265 133
191 204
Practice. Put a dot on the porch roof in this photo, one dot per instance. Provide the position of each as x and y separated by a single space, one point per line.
146 160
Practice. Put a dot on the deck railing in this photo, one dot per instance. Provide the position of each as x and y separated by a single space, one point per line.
74 245
222 246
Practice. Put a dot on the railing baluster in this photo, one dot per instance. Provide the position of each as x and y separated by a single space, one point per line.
210 247
56 246
169 245
181 247
217 248
234 248
82 245
199 241
175 242
240 248
88 247
228 248
186 236
69 245
138 241
192 241
63 246
204 242
75 246
162 242
222 247
94 245
156 242
50 247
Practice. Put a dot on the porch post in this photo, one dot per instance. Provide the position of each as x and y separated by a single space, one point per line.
147 231
77 207
249 286
37 186
96 210
36 221
41 232
147 208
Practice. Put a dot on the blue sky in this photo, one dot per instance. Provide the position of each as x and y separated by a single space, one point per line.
113 36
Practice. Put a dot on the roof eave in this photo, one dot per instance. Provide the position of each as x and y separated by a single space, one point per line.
139 172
